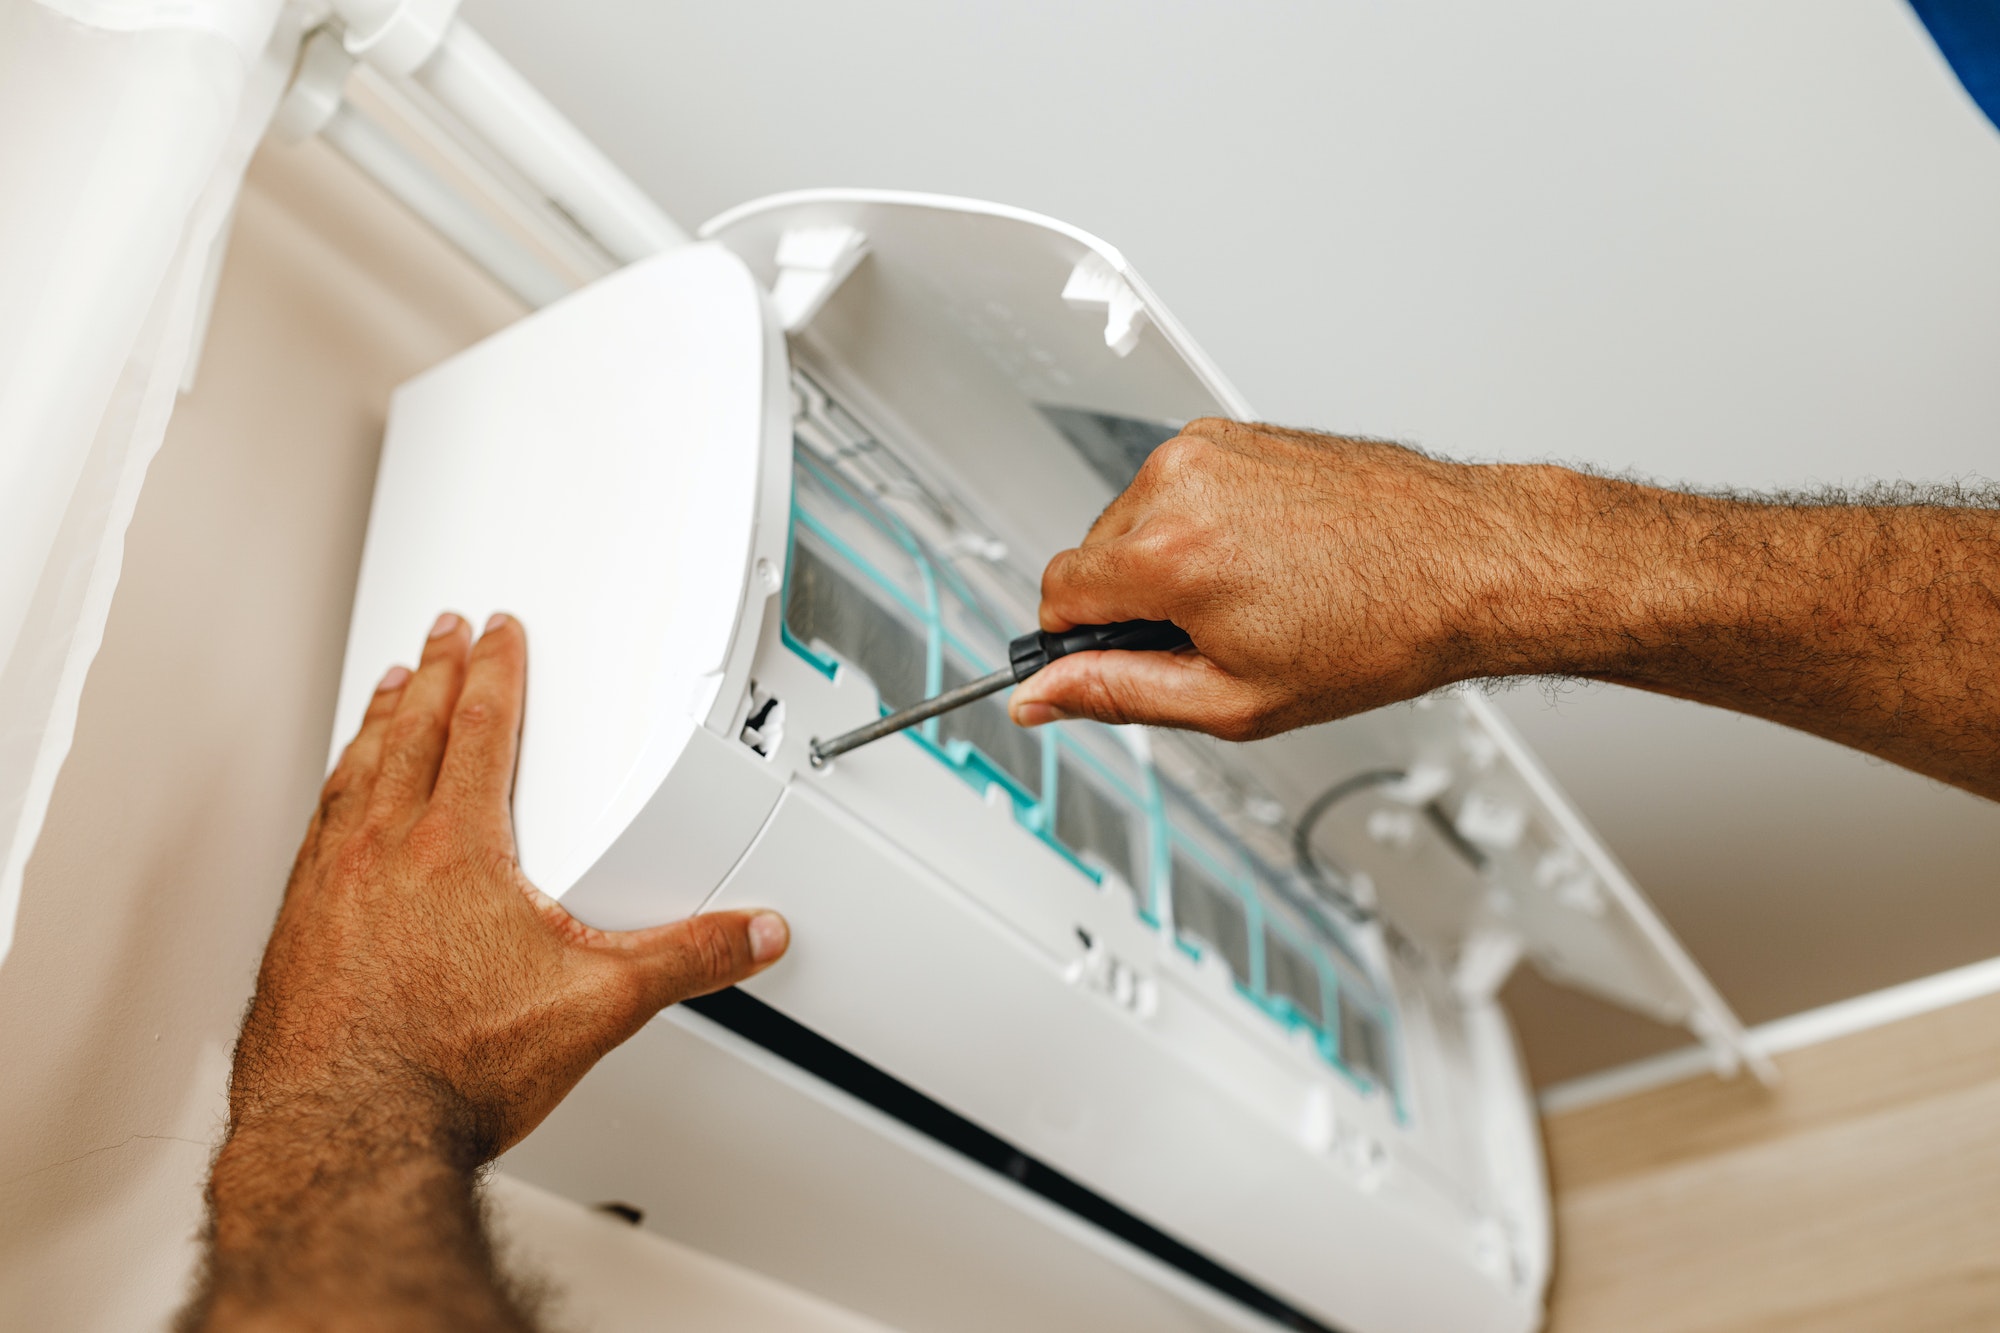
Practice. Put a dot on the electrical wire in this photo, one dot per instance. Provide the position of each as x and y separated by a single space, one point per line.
1310 865
1315 868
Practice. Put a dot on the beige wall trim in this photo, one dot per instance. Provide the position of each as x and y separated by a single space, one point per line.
1783 1034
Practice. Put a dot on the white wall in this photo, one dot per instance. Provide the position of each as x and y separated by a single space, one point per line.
200 742
1752 245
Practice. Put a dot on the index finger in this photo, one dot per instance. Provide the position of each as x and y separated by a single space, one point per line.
484 741
347 787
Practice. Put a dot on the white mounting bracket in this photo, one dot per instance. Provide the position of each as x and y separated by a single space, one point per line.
395 36
1094 282
812 263
316 90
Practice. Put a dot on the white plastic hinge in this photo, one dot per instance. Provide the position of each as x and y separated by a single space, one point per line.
1490 823
812 263
1560 871
1423 784
1485 962
396 37
1580 894
760 721
315 92
1393 828
1094 282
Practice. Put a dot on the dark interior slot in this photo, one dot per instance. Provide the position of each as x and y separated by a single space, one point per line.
1094 825
1115 447
1290 975
985 724
826 606
1205 910
1362 1048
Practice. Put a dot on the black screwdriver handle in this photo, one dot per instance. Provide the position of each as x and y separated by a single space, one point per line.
1025 656
1031 652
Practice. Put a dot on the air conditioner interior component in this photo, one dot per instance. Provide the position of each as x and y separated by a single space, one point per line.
1081 967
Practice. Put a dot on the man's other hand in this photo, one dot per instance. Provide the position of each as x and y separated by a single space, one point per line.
413 963
421 1007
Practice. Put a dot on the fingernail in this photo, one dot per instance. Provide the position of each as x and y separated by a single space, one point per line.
393 677
445 624
1036 714
768 936
495 621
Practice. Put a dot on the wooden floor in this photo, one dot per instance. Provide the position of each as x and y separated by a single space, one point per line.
1860 1196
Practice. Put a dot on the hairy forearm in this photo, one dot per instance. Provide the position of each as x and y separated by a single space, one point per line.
356 1216
1321 576
421 1007
1875 625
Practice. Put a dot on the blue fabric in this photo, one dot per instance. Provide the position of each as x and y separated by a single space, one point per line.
1968 33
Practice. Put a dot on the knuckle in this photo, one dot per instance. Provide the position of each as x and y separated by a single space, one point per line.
1169 545
337 788
359 858
1059 573
409 726
1175 460
494 864
473 715
432 843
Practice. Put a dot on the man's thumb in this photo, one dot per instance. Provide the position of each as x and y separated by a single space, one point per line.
706 953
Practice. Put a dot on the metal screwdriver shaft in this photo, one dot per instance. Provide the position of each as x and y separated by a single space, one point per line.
1026 655
891 723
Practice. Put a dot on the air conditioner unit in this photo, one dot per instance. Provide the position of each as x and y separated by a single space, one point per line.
1074 1031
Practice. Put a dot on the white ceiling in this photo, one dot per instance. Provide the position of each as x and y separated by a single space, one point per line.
1747 245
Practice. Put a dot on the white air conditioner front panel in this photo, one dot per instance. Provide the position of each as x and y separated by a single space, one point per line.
897 967
599 470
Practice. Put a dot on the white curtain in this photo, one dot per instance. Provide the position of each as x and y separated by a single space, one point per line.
125 128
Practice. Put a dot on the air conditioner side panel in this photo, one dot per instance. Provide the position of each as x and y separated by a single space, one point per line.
686 840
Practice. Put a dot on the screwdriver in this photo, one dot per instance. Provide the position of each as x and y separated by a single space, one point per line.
1025 656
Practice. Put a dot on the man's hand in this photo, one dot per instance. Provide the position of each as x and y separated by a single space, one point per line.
1317 576
420 1008
1320 576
